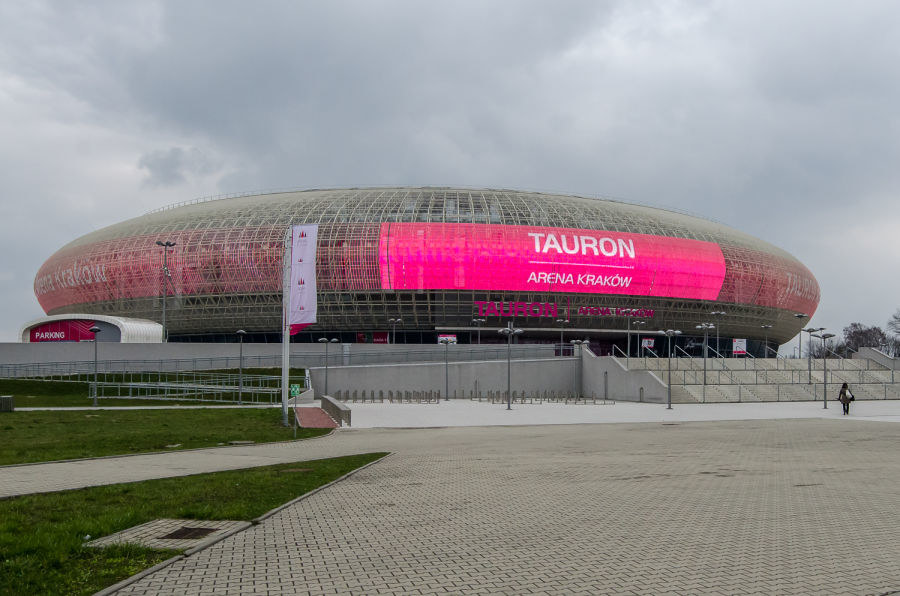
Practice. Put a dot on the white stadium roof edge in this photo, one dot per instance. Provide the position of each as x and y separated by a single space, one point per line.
135 331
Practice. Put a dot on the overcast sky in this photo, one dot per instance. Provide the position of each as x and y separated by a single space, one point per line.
781 119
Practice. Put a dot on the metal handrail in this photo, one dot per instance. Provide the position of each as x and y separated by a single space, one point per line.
615 347
690 358
298 360
714 351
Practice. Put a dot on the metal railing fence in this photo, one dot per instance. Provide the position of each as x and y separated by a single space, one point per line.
336 357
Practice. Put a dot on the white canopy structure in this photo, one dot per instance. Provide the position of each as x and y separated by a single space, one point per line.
112 329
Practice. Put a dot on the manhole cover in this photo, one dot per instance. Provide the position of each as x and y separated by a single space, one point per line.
186 533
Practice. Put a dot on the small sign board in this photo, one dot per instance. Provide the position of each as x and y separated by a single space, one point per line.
647 342
449 338
739 347
295 390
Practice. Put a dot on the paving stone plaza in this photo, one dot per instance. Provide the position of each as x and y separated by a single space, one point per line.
778 506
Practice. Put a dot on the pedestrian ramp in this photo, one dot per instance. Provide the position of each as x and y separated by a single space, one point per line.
313 417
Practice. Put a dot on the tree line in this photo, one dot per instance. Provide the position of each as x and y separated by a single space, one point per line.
856 336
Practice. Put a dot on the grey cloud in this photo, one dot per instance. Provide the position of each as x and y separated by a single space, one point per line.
769 116
168 167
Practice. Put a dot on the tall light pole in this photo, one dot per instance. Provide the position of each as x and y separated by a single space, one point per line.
562 325
576 349
669 333
478 323
810 331
766 328
824 337
95 330
717 314
799 316
166 278
639 323
509 331
394 323
706 327
241 333
446 342
326 341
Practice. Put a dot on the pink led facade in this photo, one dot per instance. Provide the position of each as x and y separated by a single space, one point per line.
416 256
384 253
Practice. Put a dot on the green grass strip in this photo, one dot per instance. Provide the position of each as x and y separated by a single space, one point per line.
44 436
42 536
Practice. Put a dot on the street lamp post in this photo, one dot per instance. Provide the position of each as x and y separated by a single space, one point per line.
810 331
95 330
509 331
326 341
446 342
766 328
706 327
394 323
669 333
799 316
884 350
478 323
638 323
576 350
717 314
562 325
166 277
241 333
824 337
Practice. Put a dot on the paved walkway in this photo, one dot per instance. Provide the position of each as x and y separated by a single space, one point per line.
740 506
372 432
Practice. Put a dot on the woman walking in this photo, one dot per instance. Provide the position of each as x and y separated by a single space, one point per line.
845 397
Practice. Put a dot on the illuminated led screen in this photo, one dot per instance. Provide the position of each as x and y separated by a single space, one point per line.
437 256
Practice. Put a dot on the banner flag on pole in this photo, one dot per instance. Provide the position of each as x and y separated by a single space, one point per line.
302 294
299 296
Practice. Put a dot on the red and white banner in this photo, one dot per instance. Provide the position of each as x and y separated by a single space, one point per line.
302 301
739 347
647 342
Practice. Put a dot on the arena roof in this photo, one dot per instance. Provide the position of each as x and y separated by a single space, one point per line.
226 265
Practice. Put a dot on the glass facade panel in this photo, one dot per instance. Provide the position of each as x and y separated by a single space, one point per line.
225 267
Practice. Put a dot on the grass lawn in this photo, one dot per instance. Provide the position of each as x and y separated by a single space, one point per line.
41 536
51 435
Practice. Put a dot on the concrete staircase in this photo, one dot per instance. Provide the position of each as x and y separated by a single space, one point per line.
733 380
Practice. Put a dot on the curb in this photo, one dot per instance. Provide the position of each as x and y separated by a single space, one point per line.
137 576
269 514
163 564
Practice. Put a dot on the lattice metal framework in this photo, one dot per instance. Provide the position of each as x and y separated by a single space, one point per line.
226 265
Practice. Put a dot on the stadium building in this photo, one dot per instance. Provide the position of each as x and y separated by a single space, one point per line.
441 261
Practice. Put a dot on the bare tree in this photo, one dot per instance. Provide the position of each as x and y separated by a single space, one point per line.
857 335
894 323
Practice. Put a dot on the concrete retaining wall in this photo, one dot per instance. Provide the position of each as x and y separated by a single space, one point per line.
876 356
620 384
528 376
